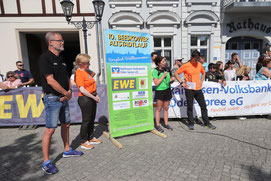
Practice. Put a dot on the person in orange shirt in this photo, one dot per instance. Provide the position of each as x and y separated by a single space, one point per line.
87 101
192 86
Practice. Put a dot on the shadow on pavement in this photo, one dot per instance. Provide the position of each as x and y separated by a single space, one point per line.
101 127
23 156
181 121
98 131
255 173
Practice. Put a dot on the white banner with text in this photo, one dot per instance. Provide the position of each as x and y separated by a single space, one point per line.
237 98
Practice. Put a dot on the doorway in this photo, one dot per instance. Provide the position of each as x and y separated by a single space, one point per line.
248 49
33 45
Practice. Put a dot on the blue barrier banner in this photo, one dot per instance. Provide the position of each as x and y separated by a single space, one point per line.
24 106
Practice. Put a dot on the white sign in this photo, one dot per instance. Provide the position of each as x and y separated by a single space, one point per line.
140 94
121 105
121 96
129 71
140 103
237 98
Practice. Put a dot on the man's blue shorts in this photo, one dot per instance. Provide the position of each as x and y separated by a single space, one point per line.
55 110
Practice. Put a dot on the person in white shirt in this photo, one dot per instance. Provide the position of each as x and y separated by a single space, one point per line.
230 71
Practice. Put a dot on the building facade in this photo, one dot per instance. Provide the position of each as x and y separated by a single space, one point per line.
215 28
24 24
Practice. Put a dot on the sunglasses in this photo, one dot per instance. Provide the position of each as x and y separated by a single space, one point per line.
58 40
10 76
20 65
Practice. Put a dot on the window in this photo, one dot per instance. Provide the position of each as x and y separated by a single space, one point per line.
163 46
247 46
234 46
200 43
256 45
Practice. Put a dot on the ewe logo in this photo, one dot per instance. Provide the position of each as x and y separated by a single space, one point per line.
115 70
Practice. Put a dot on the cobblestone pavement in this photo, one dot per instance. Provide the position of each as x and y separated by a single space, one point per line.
236 150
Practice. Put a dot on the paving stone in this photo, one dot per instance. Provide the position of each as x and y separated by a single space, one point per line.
237 150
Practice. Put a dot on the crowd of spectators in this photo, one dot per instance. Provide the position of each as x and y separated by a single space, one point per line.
235 70
16 79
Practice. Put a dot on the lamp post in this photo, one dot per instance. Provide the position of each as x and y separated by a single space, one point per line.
67 7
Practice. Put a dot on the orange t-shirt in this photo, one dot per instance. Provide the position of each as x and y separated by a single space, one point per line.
192 73
84 79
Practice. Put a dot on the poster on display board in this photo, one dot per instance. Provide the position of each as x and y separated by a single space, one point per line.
128 65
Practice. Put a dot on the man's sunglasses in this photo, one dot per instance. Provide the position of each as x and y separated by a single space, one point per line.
58 40
20 65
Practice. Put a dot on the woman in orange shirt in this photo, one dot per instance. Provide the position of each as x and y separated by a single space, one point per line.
87 101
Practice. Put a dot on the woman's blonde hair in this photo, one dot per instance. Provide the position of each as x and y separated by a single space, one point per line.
243 69
82 58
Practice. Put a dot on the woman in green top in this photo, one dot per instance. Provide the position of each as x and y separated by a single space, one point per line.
162 79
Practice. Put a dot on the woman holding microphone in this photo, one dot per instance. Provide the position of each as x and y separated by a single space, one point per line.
87 101
162 79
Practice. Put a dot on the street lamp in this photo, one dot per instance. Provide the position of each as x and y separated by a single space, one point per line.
67 7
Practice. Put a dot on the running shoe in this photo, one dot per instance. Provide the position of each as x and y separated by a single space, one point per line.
210 126
71 153
49 168
169 127
95 141
158 128
87 145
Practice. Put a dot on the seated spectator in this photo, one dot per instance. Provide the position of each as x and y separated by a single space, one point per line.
243 73
210 75
236 59
24 75
2 78
264 73
260 62
204 63
2 86
230 71
266 50
178 63
12 81
219 73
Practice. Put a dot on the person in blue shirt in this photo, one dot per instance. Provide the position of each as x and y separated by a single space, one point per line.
24 75
264 73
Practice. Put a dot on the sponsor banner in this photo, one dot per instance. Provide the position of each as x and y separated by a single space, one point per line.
238 98
24 106
121 105
129 71
140 103
140 94
121 96
128 64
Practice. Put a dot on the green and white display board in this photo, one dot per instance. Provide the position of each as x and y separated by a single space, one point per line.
128 64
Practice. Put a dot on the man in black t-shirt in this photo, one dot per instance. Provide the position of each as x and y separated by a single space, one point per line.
24 75
57 93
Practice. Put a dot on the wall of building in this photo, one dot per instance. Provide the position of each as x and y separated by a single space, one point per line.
169 19
32 18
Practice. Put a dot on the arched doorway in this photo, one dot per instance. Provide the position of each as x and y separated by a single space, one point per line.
248 49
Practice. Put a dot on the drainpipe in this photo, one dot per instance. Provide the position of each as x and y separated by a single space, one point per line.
98 52
102 52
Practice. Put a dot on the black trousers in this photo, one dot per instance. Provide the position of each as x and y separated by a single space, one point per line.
198 95
88 108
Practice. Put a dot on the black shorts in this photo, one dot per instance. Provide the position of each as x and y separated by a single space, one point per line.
163 95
